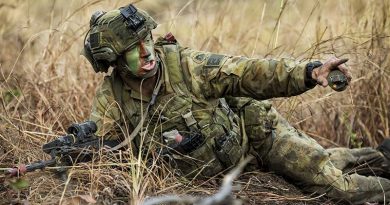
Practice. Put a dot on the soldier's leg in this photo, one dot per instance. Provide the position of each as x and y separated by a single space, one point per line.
297 156
365 161
257 123
302 159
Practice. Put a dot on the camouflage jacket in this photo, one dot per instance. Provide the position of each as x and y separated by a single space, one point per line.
190 101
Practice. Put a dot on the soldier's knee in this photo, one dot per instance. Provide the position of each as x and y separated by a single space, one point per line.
259 121
297 158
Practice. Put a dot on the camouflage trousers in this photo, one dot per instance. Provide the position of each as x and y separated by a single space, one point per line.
340 173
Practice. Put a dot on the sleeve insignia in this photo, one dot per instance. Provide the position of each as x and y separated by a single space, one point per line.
199 58
214 60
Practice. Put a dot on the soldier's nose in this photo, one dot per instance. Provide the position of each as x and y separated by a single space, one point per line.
144 52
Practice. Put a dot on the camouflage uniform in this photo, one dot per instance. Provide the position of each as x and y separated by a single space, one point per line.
211 103
204 93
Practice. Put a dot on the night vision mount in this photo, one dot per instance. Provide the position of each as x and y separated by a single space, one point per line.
134 21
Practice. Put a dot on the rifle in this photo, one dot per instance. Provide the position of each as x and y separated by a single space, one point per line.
76 146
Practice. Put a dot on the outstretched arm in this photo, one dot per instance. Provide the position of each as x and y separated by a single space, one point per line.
218 75
260 79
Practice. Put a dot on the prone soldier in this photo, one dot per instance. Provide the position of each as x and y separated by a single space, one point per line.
209 110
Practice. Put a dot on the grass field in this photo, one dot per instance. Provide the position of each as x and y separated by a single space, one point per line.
45 84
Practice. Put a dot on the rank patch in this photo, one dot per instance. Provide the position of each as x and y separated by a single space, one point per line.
214 60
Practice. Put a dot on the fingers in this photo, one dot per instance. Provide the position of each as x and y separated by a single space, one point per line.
346 72
340 64
336 62
321 80
332 63
342 61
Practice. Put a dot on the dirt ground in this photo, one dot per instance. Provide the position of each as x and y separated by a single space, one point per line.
268 188
251 188
255 187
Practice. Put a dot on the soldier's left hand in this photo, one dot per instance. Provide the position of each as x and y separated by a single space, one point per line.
320 74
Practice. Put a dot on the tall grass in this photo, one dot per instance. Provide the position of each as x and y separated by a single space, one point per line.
46 84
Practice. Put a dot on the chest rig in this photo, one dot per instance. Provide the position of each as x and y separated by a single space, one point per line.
209 131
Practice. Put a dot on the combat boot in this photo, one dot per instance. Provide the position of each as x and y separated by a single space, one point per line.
384 148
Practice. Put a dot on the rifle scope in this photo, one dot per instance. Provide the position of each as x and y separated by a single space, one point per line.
83 130
76 133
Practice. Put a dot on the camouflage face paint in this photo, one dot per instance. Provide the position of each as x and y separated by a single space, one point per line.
141 59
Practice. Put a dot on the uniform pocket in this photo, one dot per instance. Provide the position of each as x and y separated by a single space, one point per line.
228 149
201 162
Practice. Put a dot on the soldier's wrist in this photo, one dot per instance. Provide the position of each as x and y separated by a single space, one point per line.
310 67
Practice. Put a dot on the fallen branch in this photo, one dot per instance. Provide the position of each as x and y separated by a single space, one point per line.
222 197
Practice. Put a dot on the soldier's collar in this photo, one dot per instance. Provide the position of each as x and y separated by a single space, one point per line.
136 95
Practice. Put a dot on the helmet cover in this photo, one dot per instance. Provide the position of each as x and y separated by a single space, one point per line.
114 32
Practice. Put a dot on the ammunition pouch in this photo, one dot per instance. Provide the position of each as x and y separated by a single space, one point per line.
213 145
228 146
228 149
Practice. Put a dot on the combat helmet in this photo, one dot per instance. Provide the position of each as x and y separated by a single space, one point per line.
111 33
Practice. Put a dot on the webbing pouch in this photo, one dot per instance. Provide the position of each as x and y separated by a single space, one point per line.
228 149
228 146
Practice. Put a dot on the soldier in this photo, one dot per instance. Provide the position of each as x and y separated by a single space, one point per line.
203 110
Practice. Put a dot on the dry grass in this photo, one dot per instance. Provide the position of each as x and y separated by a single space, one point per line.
45 84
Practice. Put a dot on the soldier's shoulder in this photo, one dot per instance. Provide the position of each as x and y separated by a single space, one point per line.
192 56
203 58
168 39
105 86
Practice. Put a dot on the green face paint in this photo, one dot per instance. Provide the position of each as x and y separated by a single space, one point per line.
141 59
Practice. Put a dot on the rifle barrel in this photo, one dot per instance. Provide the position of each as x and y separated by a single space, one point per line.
22 168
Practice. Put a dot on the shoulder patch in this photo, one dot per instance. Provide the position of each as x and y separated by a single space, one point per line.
214 60
199 58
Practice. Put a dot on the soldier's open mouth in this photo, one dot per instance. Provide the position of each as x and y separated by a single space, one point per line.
149 65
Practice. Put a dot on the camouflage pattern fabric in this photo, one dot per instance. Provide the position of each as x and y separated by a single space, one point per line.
336 172
262 132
